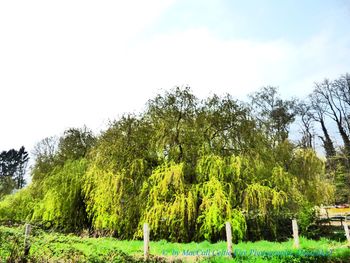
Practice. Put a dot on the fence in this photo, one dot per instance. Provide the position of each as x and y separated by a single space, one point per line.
146 238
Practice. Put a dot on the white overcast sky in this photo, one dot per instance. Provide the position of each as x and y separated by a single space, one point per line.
69 63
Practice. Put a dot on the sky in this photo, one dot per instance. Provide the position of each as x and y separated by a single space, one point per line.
72 63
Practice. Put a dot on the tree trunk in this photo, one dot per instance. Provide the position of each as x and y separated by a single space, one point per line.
327 141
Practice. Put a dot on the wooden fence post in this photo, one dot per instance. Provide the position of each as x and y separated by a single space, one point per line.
346 228
26 241
295 233
146 232
229 238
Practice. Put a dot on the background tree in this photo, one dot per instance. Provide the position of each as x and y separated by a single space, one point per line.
75 144
44 154
318 114
12 170
334 107
306 125
330 104
273 113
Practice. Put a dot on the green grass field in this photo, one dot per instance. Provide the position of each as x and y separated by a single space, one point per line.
55 247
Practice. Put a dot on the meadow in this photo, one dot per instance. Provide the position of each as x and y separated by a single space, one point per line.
58 247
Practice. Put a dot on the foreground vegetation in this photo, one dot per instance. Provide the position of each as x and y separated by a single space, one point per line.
55 247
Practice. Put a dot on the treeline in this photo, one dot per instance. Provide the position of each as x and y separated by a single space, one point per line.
186 166
13 165
329 106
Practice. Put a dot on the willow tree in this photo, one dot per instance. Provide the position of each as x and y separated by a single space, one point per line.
225 126
63 206
182 211
173 118
219 188
310 172
18 207
112 205
171 206
119 164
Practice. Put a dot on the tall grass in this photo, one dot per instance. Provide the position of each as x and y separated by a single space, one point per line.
53 247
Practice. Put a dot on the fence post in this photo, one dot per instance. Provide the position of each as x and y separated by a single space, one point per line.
346 228
229 238
146 232
295 233
26 241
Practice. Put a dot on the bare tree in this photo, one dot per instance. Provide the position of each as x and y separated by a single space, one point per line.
307 125
47 148
317 113
341 89
333 106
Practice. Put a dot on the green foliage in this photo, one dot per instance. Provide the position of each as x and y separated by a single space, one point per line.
12 169
18 207
307 218
273 113
339 168
62 205
173 119
225 126
218 191
171 206
54 247
262 198
119 165
310 172
110 203
11 245
75 144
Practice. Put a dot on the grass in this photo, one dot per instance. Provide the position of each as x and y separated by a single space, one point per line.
56 247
